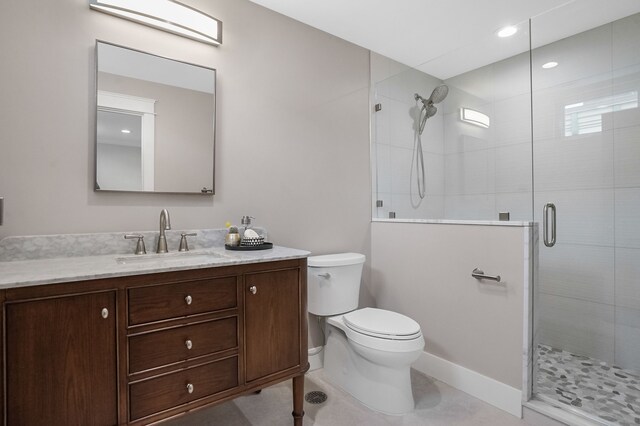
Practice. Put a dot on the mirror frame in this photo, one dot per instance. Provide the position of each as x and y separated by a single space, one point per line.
203 191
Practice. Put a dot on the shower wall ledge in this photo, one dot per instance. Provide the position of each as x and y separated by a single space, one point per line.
515 223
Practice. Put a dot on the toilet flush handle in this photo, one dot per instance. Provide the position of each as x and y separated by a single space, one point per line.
325 275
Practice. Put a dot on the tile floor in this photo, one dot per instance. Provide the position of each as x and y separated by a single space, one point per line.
603 390
437 404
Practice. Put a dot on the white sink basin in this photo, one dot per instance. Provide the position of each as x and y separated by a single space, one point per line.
180 257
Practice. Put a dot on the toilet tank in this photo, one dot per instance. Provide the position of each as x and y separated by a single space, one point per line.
334 283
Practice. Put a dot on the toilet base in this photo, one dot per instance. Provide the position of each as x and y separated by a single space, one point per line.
381 388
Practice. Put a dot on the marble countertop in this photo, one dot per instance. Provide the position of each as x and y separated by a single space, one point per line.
23 273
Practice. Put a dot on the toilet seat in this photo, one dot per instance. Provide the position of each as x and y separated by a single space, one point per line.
382 342
382 324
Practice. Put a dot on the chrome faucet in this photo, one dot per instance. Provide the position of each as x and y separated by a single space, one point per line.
165 224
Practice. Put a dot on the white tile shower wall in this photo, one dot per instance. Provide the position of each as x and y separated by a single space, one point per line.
394 142
489 170
627 208
466 174
627 290
575 162
584 216
626 156
627 338
588 287
577 326
566 273
580 57
626 64
626 42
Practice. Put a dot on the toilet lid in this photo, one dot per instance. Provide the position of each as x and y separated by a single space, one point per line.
381 323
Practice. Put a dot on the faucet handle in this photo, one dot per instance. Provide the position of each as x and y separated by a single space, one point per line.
184 246
140 248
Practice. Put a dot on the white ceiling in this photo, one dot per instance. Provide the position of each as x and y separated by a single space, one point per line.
448 37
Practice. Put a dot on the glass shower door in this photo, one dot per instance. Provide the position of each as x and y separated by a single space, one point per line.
586 156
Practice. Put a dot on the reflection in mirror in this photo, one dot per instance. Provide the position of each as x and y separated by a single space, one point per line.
155 123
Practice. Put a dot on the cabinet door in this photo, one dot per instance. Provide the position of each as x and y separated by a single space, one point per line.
61 361
272 322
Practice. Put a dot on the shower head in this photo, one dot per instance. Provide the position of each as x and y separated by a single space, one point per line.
428 109
438 94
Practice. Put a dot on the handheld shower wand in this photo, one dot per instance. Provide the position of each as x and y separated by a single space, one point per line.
427 111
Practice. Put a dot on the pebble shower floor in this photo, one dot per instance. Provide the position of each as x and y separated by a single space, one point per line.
600 389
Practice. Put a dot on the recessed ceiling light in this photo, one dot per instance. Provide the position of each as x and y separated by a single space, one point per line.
125 131
551 64
507 31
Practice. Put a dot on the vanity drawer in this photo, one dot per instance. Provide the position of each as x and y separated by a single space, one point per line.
171 390
155 303
158 348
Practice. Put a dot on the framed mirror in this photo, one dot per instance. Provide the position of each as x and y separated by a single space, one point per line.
155 123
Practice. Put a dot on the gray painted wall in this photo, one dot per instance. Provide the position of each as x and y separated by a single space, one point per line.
424 271
292 138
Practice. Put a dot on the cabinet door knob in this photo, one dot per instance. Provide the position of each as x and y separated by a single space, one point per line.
188 299
190 388
105 313
188 344
253 289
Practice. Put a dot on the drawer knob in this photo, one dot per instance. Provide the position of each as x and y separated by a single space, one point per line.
253 289
190 388
188 299
188 344
105 313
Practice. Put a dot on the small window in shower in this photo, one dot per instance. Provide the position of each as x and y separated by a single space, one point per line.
586 117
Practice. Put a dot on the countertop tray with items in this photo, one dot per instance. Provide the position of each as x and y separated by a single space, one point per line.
263 246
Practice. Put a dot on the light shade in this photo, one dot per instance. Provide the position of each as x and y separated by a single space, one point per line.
475 117
167 15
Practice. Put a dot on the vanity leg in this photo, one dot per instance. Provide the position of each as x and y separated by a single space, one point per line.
298 400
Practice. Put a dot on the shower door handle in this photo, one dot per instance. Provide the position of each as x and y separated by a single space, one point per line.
545 224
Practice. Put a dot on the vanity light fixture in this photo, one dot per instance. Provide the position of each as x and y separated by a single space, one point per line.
507 31
548 65
472 116
125 131
166 15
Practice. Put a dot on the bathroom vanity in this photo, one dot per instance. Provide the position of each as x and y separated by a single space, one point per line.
138 343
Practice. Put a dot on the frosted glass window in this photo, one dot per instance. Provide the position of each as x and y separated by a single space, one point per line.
586 117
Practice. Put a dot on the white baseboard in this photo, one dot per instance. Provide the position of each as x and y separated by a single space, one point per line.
316 358
489 390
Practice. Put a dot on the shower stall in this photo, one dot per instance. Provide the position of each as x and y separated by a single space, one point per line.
546 129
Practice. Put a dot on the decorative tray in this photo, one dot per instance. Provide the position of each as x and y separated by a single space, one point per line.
263 246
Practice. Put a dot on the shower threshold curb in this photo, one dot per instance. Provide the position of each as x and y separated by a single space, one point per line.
563 414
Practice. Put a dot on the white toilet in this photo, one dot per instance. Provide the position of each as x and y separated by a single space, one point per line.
368 351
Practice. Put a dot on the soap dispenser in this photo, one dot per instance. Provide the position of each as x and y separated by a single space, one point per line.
246 222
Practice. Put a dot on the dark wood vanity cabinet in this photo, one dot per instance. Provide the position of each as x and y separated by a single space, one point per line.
272 322
61 361
140 349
